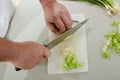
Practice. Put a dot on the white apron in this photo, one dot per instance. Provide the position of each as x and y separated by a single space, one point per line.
6 11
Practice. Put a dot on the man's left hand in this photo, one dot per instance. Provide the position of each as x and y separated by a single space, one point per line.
57 17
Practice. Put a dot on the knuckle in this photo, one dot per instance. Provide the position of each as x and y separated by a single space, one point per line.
61 12
55 17
69 25
59 33
62 30
62 27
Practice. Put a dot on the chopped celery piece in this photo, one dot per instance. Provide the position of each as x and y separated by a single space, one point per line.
69 58
113 41
106 54
66 66
118 37
115 49
112 34
116 23
111 44
70 62
69 50
107 44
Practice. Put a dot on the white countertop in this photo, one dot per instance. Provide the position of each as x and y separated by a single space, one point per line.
28 14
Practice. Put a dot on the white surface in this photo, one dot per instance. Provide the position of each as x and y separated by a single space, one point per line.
78 41
34 29
6 12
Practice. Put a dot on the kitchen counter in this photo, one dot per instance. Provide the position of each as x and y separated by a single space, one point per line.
30 12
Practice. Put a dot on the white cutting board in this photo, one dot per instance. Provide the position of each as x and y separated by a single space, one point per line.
78 41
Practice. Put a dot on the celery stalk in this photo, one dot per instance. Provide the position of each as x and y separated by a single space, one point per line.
110 6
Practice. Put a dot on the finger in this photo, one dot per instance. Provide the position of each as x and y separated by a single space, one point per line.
46 52
67 21
52 27
68 15
60 25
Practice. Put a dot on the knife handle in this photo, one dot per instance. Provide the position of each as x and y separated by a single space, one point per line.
45 45
17 69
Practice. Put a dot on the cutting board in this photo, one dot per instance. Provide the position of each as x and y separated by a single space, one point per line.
78 41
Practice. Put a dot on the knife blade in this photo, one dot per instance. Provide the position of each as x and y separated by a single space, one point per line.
64 35
61 37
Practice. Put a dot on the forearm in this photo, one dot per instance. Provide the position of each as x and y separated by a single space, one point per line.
7 50
45 2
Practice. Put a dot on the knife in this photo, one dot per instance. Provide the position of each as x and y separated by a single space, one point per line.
62 37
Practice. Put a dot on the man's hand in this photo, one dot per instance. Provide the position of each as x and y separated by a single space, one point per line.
29 54
57 16
24 55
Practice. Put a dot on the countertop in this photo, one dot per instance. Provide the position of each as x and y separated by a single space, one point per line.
97 26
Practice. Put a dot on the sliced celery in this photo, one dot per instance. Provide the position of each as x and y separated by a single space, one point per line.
112 43
116 23
69 50
111 7
106 54
70 62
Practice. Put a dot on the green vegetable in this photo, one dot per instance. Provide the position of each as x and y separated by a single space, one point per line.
70 62
116 23
110 6
112 42
108 44
69 50
106 54
112 34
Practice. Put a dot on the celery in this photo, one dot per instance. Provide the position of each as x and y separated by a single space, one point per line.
70 62
110 6
113 41
106 54
112 34
69 50
116 23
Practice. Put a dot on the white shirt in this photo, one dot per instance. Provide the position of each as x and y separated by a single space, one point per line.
6 11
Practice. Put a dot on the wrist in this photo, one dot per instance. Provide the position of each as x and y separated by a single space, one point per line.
14 52
46 2
7 50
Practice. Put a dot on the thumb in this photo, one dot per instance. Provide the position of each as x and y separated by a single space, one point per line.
46 52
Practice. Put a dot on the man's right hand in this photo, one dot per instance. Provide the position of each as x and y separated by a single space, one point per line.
29 54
